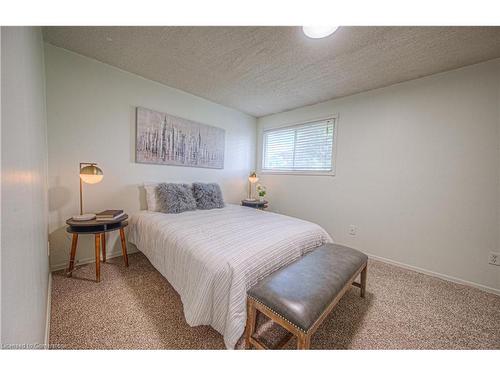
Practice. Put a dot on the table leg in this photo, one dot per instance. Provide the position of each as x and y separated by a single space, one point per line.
103 235
71 266
124 247
98 257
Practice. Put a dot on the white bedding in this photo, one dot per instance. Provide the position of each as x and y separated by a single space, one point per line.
212 257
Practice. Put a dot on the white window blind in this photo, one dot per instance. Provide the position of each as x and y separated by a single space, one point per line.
307 147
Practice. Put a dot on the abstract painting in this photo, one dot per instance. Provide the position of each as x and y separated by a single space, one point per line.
165 139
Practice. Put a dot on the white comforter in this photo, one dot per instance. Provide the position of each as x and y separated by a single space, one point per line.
212 257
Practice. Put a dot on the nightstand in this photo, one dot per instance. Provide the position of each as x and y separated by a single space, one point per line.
99 229
260 205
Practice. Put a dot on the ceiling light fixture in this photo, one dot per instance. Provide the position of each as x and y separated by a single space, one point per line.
317 32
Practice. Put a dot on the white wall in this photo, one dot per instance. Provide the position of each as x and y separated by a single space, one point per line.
24 261
417 172
91 117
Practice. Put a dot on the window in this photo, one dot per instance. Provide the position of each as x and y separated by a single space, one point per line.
304 148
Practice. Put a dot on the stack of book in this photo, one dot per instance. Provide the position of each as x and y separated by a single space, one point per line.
109 215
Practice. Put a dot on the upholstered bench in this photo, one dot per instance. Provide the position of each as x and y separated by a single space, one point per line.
300 296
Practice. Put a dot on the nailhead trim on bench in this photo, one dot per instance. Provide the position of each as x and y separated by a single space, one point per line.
281 316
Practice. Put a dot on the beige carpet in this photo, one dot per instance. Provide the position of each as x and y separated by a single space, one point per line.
136 308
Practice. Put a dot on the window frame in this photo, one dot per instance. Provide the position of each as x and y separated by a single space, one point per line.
332 172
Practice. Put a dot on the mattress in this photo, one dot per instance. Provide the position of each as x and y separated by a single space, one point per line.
212 257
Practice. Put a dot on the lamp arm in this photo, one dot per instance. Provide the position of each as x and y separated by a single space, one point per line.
81 197
81 186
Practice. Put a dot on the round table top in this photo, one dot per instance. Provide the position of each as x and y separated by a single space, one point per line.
95 227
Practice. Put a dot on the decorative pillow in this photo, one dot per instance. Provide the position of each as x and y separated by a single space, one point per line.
151 196
207 196
175 198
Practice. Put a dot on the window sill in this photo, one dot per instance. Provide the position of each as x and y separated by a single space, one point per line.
297 173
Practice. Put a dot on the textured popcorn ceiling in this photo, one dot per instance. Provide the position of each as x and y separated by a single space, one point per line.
263 70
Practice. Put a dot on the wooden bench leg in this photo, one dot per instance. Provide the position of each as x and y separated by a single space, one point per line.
363 281
251 322
303 342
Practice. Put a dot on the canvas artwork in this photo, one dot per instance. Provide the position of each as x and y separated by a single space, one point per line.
165 139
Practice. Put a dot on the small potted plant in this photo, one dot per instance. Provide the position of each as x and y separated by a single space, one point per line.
261 190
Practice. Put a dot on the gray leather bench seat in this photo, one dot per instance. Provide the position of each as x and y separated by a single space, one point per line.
302 291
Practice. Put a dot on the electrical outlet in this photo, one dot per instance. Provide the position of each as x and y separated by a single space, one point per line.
494 258
353 230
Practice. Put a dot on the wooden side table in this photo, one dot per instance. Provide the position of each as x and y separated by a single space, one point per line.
99 229
261 205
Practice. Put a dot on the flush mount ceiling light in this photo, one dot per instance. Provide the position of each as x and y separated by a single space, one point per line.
317 32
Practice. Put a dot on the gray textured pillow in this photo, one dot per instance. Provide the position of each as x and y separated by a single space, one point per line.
175 198
207 196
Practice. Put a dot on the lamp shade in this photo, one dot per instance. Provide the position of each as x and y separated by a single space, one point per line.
253 178
91 174
317 32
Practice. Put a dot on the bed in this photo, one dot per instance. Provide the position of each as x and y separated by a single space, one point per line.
212 257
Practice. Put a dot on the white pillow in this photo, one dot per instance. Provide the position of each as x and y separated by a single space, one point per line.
151 199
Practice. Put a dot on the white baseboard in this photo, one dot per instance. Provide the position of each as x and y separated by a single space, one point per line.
113 254
47 315
436 274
